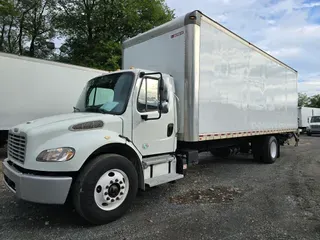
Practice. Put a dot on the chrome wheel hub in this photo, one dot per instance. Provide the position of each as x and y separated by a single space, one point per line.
111 189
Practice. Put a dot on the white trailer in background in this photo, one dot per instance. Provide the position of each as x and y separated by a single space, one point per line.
304 116
32 88
205 89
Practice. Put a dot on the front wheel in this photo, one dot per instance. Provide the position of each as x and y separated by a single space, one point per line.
105 188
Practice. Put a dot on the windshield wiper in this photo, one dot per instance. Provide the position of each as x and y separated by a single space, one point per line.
76 109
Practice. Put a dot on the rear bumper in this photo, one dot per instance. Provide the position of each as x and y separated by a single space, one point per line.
34 188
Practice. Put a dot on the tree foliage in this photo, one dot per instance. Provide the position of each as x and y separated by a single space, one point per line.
94 29
26 27
302 99
91 30
305 101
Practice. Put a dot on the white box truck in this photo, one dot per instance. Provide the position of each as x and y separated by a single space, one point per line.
204 89
304 116
32 88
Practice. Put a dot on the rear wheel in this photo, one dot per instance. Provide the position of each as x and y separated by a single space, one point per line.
266 149
270 149
105 188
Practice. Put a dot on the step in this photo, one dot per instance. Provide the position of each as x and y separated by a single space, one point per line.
158 159
163 179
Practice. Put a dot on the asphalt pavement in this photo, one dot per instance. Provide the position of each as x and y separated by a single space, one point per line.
226 199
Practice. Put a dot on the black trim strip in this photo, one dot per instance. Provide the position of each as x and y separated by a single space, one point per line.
41 173
160 154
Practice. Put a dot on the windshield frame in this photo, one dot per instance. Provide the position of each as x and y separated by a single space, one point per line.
99 110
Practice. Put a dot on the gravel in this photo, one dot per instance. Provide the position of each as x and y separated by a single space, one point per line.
234 198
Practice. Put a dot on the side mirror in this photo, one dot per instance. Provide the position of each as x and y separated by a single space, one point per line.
144 117
164 107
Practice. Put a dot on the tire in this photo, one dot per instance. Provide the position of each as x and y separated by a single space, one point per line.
309 133
108 176
270 149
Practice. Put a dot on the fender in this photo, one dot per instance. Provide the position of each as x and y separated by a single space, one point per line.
124 149
85 143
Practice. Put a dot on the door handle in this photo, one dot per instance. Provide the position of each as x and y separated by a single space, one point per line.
169 130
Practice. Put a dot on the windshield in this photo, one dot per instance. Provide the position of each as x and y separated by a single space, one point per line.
315 119
107 94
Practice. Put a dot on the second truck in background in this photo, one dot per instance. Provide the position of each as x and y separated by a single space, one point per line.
32 88
304 116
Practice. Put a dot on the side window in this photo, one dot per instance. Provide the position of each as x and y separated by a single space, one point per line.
148 98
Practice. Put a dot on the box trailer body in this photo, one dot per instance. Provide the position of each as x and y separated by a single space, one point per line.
304 114
32 88
226 86
195 86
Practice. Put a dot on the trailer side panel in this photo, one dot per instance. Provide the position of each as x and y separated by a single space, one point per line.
242 90
32 88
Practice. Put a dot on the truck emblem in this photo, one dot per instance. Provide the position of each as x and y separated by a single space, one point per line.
145 145
16 130
177 34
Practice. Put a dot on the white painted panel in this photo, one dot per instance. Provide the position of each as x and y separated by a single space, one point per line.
164 54
242 89
31 89
160 169
146 173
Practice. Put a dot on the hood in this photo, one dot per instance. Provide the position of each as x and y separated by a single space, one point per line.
64 121
315 124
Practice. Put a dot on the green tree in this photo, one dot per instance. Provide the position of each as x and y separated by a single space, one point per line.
314 101
94 29
303 100
26 26
7 12
39 29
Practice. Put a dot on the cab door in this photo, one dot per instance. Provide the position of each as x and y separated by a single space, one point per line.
153 136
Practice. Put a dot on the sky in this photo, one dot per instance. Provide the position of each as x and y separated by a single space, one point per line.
287 29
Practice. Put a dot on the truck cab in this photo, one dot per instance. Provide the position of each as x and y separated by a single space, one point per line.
120 137
314 125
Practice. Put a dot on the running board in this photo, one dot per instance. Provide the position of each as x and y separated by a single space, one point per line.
163 179
157 160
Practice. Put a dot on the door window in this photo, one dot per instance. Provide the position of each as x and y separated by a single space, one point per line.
148 99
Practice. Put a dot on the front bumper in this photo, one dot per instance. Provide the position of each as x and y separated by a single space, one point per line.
314 130
36 188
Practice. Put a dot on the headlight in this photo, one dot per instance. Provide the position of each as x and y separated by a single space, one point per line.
56 155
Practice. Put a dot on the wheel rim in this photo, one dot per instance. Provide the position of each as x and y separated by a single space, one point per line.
273 149
111 189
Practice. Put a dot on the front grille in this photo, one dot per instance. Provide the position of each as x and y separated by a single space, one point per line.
315 126
17 147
